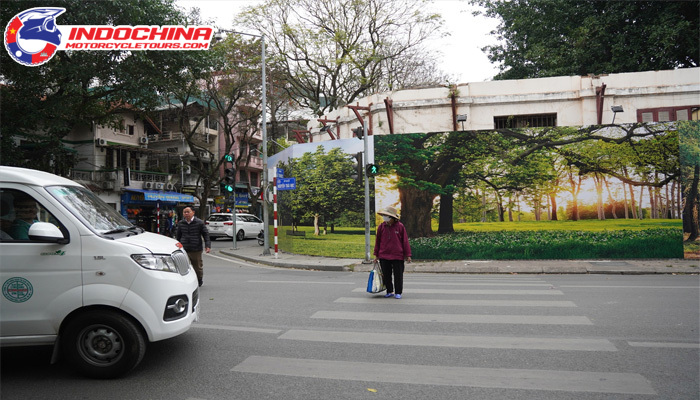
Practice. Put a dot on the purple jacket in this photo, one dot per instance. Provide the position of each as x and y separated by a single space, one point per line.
391 242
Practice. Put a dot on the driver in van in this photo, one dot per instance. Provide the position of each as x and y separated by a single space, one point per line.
25 215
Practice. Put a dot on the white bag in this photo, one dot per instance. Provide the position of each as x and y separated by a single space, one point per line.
375 283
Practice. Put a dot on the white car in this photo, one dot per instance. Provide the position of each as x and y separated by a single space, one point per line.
77 275
221 225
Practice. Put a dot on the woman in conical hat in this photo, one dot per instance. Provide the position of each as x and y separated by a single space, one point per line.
391 250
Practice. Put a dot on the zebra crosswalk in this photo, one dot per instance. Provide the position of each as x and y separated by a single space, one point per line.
488 302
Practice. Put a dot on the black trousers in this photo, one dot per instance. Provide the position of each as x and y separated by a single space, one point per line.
395 268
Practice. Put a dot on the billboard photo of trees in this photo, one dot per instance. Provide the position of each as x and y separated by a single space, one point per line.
597 192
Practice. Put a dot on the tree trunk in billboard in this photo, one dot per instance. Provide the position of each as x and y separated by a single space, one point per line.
446 212
691 212
415 211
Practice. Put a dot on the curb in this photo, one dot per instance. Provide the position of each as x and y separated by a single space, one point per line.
503 267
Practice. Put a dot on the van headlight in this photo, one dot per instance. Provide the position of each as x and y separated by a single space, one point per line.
156 262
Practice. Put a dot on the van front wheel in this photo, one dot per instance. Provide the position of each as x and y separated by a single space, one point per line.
103 344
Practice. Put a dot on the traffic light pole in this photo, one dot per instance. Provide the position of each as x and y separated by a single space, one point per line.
234 218
365 161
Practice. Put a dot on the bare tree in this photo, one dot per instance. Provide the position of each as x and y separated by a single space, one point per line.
336 51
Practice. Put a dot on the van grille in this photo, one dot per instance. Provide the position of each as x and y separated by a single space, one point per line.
182 262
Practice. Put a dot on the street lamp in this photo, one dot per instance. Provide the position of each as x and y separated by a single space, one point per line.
266 247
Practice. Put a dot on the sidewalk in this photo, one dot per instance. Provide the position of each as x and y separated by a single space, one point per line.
627 267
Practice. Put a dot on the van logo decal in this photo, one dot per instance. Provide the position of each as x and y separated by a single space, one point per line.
55 253
17 290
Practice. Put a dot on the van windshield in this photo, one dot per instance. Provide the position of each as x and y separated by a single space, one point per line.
90 209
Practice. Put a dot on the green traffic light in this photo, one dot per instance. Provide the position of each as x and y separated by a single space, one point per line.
371 170
228 158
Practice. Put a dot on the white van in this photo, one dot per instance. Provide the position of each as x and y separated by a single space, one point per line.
77 275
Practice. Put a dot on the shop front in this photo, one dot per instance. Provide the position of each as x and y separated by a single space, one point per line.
153 210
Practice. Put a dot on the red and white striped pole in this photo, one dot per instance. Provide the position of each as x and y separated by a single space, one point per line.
274 208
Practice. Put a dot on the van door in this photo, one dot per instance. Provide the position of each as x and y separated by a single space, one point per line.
41 282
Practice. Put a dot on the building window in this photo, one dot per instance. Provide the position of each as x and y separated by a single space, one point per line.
253 178
130 129
665 114
525 121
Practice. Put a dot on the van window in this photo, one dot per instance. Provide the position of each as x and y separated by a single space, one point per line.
90 209
18 211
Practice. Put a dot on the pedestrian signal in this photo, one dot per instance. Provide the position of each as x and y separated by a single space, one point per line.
371 170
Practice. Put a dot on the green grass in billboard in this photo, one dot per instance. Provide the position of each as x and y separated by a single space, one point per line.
532 240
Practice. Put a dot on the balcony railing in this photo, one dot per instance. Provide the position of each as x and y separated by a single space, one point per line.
114 179
255 162
170 135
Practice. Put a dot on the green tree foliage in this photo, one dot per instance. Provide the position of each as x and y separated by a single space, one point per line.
79 88
689 138
324 187
540 38
336 51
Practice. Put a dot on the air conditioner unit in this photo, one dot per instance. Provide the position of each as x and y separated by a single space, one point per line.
148 185
169 186
205 154
143 140
188 169
111 176
160 186
101 142
107 185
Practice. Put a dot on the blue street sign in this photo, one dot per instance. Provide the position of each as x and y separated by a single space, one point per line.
286 183
280 173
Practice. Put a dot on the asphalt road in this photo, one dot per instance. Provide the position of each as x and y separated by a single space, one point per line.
269 333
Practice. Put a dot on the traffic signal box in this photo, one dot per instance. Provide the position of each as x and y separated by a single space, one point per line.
229 180
357 166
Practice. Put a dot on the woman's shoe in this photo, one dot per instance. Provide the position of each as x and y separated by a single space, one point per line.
389 295
398 296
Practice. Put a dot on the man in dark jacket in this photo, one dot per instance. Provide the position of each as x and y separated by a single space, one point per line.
190 231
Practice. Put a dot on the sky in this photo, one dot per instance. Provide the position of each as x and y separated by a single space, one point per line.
462 57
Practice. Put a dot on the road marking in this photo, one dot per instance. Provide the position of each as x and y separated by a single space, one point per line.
478 291
447 302
247 264
236 328
628 287
666 345
308 282
502 378
412 283
455 318
482 342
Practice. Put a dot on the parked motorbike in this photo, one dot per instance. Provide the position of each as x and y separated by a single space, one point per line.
261 237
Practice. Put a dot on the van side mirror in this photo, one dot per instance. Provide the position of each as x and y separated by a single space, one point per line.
46 232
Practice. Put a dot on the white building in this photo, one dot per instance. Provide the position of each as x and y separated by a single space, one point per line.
558 101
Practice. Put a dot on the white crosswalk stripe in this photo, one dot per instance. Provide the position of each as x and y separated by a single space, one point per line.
454 318
570 381
453 302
